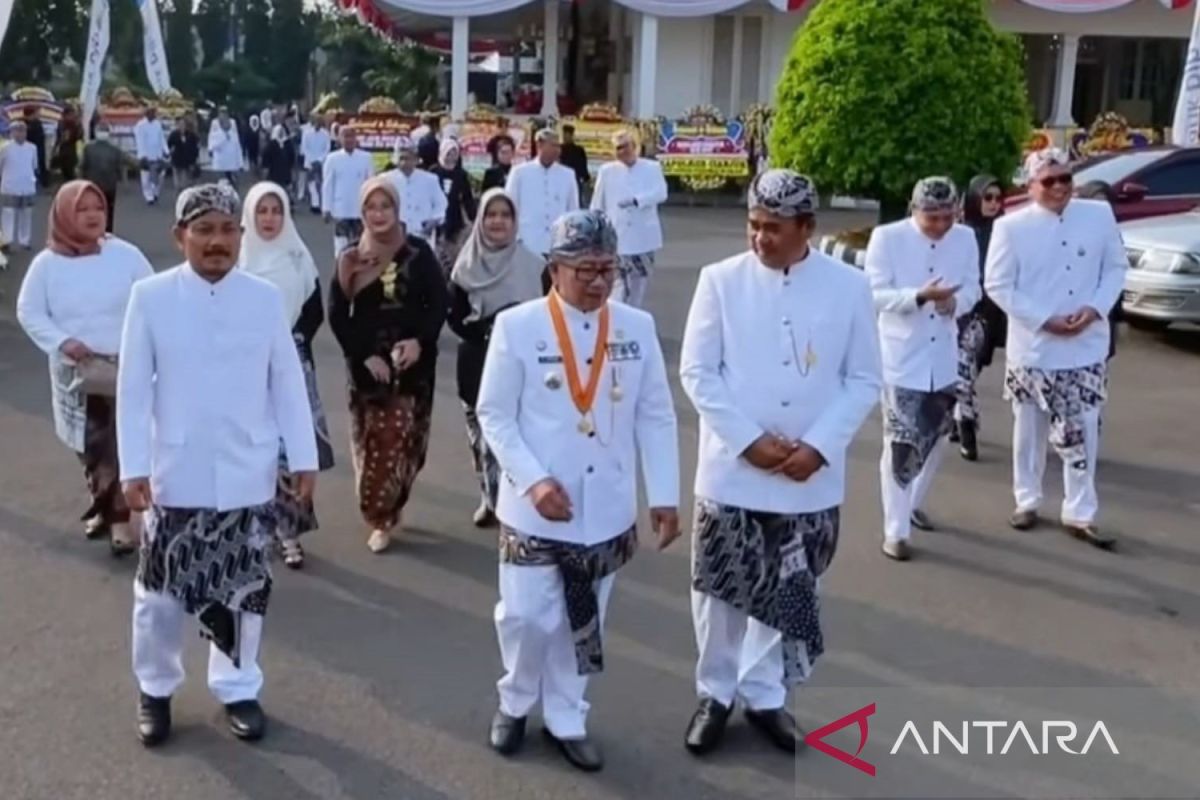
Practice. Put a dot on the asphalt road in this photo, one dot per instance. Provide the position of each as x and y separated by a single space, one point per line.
380 670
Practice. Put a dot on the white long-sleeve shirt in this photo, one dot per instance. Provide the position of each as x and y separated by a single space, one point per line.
208 384
542 195
919 345
794 353
422 201
80 298
225 147
639 230
1041 264
532 425
342 177
18 169
314 145
150 139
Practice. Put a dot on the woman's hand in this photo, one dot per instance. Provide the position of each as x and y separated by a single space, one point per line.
378 369
406 353
75 350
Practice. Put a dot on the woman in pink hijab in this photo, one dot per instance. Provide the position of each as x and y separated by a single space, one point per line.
72 305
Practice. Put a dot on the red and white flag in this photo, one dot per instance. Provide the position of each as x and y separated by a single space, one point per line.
788 5
1173 4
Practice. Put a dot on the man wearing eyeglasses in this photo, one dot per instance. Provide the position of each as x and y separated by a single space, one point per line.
630 190
1056 267
574 393
781 360
924 274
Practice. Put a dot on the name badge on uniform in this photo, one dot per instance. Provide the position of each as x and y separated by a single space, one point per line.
550 359
624 351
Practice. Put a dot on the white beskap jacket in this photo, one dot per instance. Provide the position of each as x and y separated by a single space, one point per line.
794 353
638 228
1041 264
209 381
531 424
919 345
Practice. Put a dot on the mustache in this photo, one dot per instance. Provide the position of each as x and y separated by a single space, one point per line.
218 251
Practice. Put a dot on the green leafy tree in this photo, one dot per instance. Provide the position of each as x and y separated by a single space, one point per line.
254 23
293 37
362 63
236 84
181 44
41 33
213 25
877 94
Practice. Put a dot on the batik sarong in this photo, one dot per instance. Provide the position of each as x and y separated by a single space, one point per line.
972 335
99 459
389 437
581 567
295 516
634 273
1066 395
213 562
767 566
913 422
487 469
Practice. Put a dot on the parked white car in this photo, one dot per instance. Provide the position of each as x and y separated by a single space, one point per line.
1163 283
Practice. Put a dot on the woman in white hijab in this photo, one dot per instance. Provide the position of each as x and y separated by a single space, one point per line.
492 272
273 250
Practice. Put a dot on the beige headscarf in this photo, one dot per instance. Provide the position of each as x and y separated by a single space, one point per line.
496 275
362 263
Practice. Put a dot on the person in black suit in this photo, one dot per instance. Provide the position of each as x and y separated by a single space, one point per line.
501 148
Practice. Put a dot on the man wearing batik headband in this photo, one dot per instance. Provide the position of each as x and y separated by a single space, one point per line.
1056 267
924 274
209 384
781 360
574 392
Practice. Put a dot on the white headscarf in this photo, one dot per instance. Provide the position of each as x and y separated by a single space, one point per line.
285 260
279 134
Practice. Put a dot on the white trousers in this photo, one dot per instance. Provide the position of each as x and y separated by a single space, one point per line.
900 502
151 184
159 624
17 225
538 651
1031 431
739 656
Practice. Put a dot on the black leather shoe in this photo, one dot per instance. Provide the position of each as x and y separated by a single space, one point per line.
154 719
507 733
1091 534
778 726
581 753
921 521
968 447
246 720
707 727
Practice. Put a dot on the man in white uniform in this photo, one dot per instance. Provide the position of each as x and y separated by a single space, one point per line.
315 145
574 391
225 147
151 142
630 190
18 187
342 177
422 201
543 190
1056 267
924 273
209 383
781 359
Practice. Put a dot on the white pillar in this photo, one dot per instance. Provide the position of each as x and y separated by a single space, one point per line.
647 67
550 61
1064 92
735 77
460 51
616 32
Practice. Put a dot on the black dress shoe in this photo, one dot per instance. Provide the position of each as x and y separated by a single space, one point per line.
507 733
778 726
1092 535
921 521
581 753
246 720
154 719
707 727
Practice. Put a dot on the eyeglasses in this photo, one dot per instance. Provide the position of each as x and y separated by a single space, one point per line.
589 274
1056 180
992 197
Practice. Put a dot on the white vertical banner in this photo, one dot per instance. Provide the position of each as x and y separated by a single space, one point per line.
1185 130
93 62
6 9
155 54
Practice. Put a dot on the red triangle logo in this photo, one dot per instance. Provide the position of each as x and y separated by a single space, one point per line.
815 739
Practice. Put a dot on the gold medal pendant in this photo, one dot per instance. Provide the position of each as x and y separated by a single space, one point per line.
585 426
616 394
